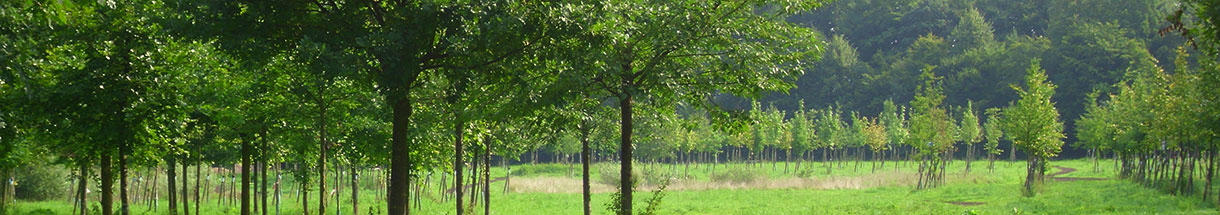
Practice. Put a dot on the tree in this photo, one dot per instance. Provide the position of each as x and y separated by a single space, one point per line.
931 130
895 125
802 132
664 51
876 138
971 31
1033 124
992 133
970 132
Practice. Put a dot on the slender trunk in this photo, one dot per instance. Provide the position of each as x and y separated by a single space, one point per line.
487 180
198 170
107 185
338 188
322 145
787 159
245 176
474 178
186 204
1030 176
625 184
584 162
262 170
124 208
1211 166
84 184
400 162
304 186
171 175
277 188
457 161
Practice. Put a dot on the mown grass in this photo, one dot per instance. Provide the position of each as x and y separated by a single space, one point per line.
994 193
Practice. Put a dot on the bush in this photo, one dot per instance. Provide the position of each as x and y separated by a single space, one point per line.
609 175
737 175
41 182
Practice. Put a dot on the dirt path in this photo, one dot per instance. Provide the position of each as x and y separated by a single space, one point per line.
1066 170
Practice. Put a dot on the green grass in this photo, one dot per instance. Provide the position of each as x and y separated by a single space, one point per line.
999 193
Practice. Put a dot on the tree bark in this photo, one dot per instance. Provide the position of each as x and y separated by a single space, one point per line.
107 186
625 185
487 180
321 160
400 163
186 201
277 189
355 192
1030 176
263 170
245 177
84 184
124 208
198 171
584 162
457 161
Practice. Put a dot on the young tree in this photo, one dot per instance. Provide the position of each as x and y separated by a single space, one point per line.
802 134
876 139
931 130
992 132
665 51
969 132
894 121
830 136
1033 124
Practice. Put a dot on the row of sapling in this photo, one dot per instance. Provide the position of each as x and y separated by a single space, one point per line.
1160 127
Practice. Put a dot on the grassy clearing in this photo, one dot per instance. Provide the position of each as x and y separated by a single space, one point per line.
978 192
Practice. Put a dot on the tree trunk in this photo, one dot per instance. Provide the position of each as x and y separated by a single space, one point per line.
400 162
186 204
322 145
124 208
457 161
277 188
1030 176
355 191
487 180
245 176
107 185
626 148
84 184
198 171
584 163
262 155
304 186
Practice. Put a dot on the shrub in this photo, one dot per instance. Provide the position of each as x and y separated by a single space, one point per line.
609 175
41 182
739 175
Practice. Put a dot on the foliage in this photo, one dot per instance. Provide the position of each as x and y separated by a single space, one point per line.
992 131
1033 123
41 182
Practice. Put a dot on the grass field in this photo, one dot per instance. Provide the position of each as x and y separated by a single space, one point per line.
550 189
